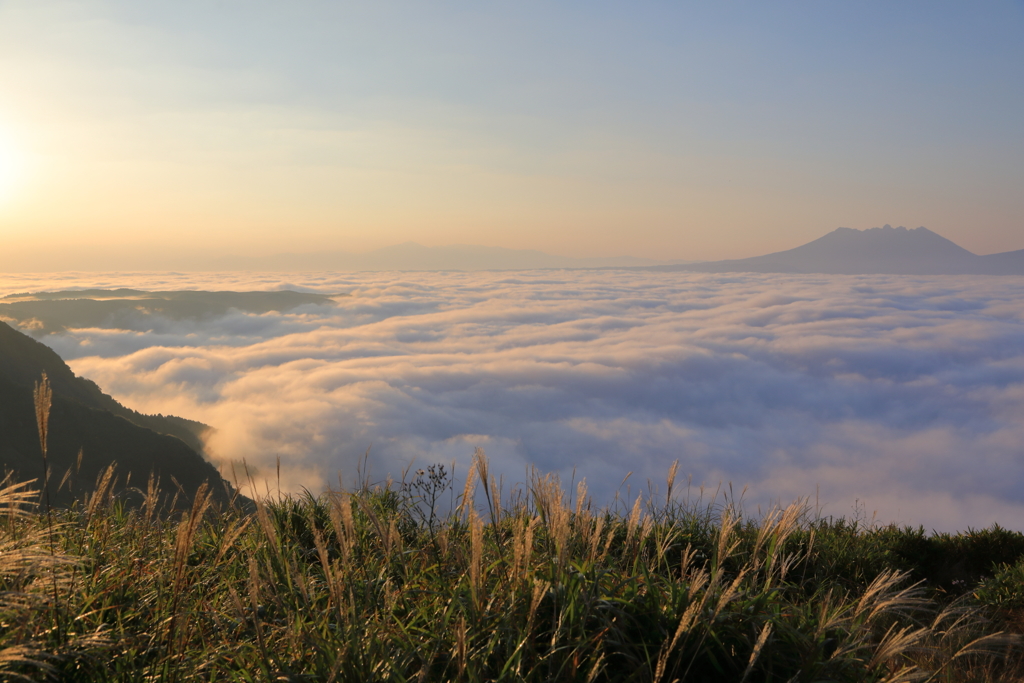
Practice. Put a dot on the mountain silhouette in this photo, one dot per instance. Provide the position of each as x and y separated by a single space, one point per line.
886 250
84 419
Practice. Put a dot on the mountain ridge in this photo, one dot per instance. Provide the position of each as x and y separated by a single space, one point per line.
874 251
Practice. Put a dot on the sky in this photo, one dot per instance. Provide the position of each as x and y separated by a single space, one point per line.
144 135
898 398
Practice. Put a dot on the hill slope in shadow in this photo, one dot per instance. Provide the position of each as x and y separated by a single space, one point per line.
85 419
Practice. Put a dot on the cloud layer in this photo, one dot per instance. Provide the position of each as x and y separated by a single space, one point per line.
903 395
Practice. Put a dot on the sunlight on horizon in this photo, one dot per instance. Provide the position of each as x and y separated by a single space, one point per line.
135 136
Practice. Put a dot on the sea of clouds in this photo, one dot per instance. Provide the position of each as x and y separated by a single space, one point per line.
896 395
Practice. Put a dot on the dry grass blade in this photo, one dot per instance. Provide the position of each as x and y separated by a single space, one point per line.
184 538
595 538
596 669
21 656
895 643
460 646
540 589
762 638
466 503
476 528
727 539
102 493
19 559
43 400
730 593
685 623
633 521
491 491
230 536
883 595
670 481
522 548
16 498
343 522
495 501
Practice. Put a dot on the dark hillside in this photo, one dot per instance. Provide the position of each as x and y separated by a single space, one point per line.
84 418
23 360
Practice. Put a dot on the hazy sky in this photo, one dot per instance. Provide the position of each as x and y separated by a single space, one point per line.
666 130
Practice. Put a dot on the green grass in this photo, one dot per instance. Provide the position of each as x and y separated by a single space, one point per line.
414 581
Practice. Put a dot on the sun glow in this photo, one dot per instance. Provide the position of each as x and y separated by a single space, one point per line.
11 166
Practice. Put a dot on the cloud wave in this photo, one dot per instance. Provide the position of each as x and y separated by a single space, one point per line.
904 394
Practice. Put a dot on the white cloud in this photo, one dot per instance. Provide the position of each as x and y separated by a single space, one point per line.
903 393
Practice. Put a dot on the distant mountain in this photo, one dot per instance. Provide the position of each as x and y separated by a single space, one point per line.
413 256
84 418
1005 263
885 250
132 309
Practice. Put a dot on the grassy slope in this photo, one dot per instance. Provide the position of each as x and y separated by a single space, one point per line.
384 584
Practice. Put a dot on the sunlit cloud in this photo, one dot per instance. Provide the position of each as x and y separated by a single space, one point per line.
903 395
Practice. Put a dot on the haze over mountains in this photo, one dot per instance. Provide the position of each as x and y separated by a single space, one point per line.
132 309
413 256
844 251
886 250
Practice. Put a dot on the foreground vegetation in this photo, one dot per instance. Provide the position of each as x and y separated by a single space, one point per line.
416 581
